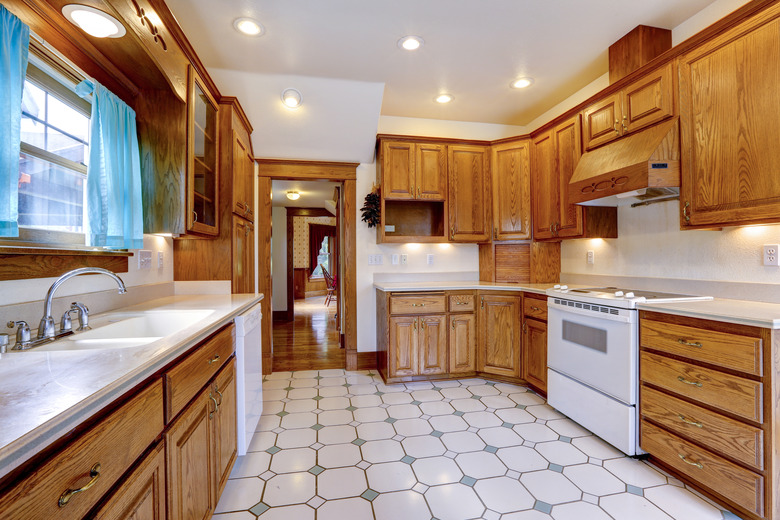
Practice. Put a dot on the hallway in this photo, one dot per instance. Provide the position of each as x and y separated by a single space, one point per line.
310 341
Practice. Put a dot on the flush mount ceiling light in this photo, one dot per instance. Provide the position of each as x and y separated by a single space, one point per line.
443 98
410 43
248 26
293 195
93 22
522 83
292 98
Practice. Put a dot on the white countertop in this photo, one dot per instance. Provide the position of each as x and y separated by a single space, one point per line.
538 288
44 395
742 312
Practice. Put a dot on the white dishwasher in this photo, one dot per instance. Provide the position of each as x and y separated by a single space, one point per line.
249 375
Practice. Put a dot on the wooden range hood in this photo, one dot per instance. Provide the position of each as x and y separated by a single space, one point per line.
648 159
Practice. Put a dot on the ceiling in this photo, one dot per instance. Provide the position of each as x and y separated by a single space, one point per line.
343 56
314 194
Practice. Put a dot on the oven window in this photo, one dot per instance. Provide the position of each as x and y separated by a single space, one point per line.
589 337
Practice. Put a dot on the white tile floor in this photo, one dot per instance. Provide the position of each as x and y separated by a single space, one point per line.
336 445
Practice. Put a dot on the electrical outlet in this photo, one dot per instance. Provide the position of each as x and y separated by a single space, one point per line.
144 259
591 257
394 259
160 260
403 259
770 255
378 260
429 259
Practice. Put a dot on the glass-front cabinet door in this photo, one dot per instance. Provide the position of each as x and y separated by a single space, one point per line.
202 159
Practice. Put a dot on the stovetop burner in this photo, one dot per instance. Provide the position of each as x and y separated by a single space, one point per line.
619 297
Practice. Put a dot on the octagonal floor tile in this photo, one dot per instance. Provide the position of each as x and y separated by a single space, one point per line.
301 393
515 416
500 437
423 446
433 471
468 405
341 509
561 453
456 393
481 464
497 401
550 487
535 432
634 472
375 431
382 451
336 434
390 476
597 448
397 398
412 427
503 494
454 502
544 411
522 459
568 428
334 391
338 455
365 401
371 414
333 403
594 479
341 483
483 390
251 465
448 423
408 505
299 512
293 460
579 511
462 442
299 438
526 398
240 494
531 514
298 420
300 406
682 503
627 506
427 395
404 411
288 489
482 419
436 408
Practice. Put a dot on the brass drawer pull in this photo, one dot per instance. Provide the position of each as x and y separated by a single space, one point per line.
214 359
690 462
462 303
418 305
681 341
216 389
688 421
686 213
692 383
615 127
216 406
94 474
453 325
537 309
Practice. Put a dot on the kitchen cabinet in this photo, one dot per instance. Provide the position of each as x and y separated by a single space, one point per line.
704 391
414 171
463 343
243 249
417 345
469 193
243 178
499 341
729 123
225 424
534 359
511 175
644 102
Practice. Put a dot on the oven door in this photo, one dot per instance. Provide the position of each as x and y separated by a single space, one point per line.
594 345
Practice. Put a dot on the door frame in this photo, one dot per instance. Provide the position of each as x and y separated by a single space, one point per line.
344 173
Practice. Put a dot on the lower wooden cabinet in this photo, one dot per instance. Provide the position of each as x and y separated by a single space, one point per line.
499 334
417 345
227 436
432 345
535 354
463 343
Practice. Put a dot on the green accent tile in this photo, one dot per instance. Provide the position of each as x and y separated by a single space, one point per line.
417 403
379 393
316 470
507 425
317 397
521 406
490 383
273 449
490 449
350 408
259 508
469 481
359 442
369 494
635 490
371 374
557 468
289 388
563 438
458 413
436 389
408 459
282 414
318 377
436 433
544 507
346 385
476 396
390 420
317 427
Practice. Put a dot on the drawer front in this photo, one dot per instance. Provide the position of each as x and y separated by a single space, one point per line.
713 431
738 484
534 308
733 394
732 351
187 378
461 302
110 448
418 304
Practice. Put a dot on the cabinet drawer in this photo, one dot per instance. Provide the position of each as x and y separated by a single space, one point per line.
417 304
461 303
534 308
732 351
186 379
712 430
740 485
733 394
109 448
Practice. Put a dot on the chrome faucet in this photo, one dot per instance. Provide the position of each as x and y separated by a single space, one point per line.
46 328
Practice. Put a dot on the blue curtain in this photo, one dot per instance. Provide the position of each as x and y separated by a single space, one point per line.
14 46
114 207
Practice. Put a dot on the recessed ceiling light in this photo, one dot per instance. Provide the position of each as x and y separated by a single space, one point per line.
410 43
292 98
293 195
443 98
522 83
248 26
93 21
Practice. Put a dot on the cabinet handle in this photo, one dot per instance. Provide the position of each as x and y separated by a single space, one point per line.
194 216
537 309
615 127
692 463
246 231
624 125
418 192
216 389
453 324
495 233
692 383
422 324
482 302
686 215
94 474
688 421
525 327
418 305
415 324
452 232
461 303
213 360
216 406
689 344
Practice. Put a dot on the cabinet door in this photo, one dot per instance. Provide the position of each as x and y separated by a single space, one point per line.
432 345
730 122
190 461
648 101
601 122
546 190
398 173
511 174
243 256
243 179
225 434
202 163
463 343
142 495
431 162
499 335
535 353
469 192
568 151
403 346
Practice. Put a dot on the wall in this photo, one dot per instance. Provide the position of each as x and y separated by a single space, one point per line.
301 238
279 258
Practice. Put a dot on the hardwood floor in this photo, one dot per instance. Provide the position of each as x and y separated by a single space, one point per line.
310 341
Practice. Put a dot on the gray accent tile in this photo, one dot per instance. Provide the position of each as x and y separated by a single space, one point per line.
458 413
259 508
317 427
556 467
544 507
390 420
563 438
379 393
490 449
289 388
508 425
358 442
317 397
635 490
476 397
316 470
408 459
469 481
521 406
436 433
369 494
346 385
350 408
417 403
282 414
273 449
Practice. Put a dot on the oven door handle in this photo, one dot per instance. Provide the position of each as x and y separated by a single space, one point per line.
588 313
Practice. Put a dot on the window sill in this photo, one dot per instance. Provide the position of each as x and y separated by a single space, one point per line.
20 263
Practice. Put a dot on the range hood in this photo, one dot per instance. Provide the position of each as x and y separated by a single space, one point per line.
641 166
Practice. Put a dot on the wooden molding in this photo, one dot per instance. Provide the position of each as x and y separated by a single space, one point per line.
308 212
306 170
442 140
26 263
637 48
236 104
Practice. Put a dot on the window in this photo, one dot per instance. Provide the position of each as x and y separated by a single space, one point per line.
323 258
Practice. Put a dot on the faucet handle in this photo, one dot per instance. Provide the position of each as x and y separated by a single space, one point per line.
83 315
22 333
66 323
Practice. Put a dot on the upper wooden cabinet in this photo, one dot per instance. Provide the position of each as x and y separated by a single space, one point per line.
469 193
414 171
511 176
202 159
243 248
730 122
640 104
243 178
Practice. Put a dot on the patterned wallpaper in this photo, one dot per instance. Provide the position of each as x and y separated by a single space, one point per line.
301 237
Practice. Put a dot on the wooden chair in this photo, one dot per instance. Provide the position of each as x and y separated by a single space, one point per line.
330 284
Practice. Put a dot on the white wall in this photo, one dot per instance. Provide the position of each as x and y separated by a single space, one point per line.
279 258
